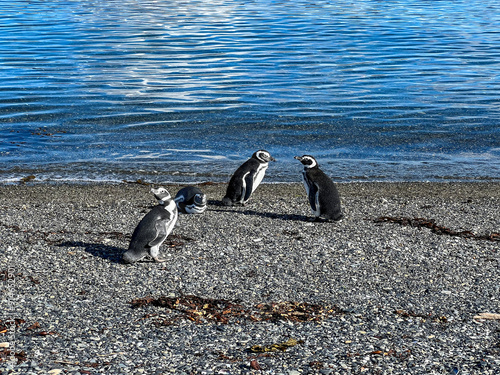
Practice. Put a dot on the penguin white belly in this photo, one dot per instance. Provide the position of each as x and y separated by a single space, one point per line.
194 209
172 208
304 181
259 176
308 191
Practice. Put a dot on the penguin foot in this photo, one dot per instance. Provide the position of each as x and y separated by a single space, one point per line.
335 220
159 260
318 219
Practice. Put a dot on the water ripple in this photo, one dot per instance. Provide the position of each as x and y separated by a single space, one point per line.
384 81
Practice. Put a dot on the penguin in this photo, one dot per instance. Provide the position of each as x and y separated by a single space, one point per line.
321 191
191 200
246 179
153 229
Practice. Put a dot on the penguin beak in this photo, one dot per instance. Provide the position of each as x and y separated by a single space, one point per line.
299 158
272 159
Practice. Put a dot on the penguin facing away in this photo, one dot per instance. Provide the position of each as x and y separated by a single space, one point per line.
153 229
321 191
247 178
191 200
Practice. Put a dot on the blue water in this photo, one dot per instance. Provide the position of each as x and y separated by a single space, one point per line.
184 91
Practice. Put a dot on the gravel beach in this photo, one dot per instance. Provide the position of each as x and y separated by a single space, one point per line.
396 287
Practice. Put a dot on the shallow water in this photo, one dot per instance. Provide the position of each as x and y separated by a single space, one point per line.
184 91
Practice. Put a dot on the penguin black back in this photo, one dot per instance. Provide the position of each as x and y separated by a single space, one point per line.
247 178
191 200
322 193
153 229
145 233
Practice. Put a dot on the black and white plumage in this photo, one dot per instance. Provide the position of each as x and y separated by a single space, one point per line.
322 193
247 178
191 200
153 229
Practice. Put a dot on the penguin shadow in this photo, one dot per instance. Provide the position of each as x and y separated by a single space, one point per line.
111 253
270 215
214 202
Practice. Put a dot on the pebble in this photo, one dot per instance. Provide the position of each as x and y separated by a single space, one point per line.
394 283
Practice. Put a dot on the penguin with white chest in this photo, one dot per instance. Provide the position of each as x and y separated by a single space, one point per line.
191 200
247 178
153 229
321 191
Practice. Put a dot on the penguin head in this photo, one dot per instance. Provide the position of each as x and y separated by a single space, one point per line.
161 194
200 199
263 156
307 160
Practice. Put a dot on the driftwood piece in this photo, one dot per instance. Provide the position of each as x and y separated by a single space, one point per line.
488 316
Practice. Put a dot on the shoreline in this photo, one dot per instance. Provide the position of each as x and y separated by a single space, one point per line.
287 170
31 179
405 296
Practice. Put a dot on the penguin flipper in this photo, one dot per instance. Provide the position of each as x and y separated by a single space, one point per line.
161 230
161 235
249 177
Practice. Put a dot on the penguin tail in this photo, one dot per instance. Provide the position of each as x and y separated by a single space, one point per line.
331 218
226 201
339 217
131 256
127 259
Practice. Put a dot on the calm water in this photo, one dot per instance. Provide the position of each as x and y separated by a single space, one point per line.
184 91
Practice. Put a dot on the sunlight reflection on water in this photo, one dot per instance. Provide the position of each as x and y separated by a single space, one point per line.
360 85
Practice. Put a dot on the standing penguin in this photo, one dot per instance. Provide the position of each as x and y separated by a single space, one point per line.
321 191
191 200
153 229
246 178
